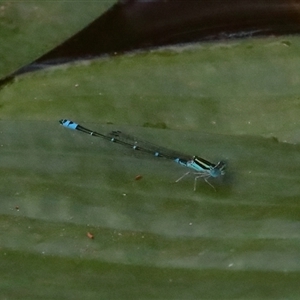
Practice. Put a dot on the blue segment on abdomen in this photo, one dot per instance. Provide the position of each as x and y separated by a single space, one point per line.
179 161
70 124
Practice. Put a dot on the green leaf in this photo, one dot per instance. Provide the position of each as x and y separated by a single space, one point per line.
154 238
28 29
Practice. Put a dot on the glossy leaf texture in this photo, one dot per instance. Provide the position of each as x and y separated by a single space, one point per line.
153 238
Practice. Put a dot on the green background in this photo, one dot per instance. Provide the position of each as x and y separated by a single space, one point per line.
154 238
29 29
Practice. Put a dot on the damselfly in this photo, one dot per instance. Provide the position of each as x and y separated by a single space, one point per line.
201 167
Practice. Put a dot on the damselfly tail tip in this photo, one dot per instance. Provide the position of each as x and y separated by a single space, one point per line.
62 121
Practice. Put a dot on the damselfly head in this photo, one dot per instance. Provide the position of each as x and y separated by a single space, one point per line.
62 121
221 165
219 169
